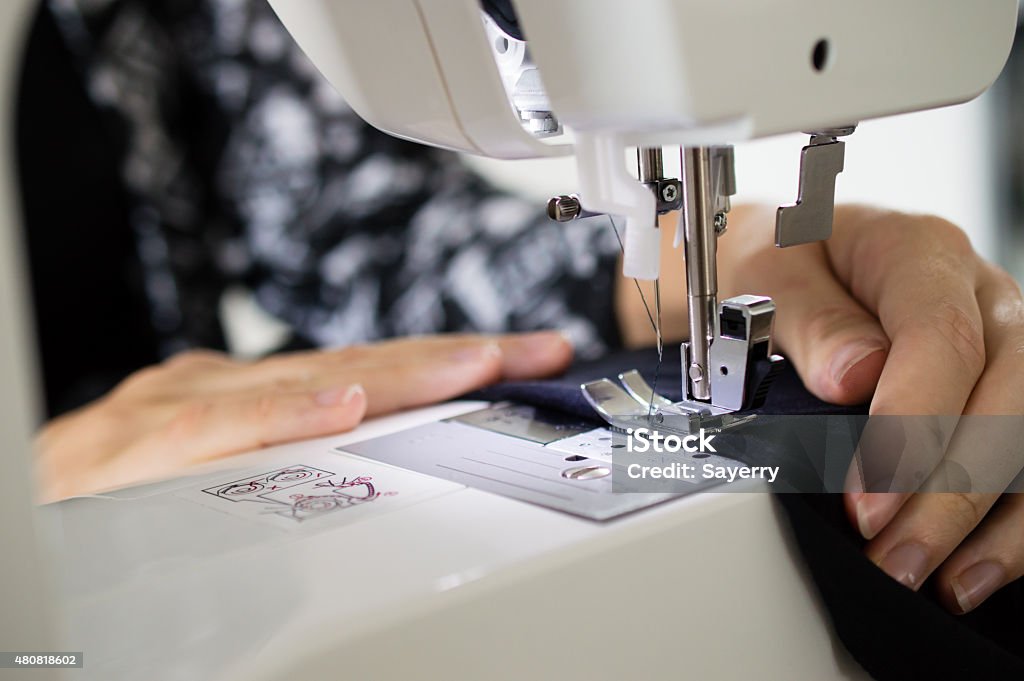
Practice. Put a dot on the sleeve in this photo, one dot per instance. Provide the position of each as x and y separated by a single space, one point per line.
349 235
159 130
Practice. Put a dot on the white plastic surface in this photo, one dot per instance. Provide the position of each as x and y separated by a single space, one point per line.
474 85
417 69
670 71
462 585
692 71
606 187
379 57
26 621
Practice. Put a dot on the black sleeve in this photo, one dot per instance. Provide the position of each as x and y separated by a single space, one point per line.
236 147
91 314
356 235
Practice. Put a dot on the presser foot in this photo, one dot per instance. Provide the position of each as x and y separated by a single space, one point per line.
738 373
633 404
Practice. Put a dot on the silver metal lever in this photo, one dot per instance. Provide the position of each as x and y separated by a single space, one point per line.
810 218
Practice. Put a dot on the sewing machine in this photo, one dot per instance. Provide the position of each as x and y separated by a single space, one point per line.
530 78
447 579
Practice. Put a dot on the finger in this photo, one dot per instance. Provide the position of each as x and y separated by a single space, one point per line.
422 381
523 355
534 355
992 557
919 277
895 456
837 347
261 420
998 391
194 360
529 355
983 457
211 428
177 377
924 532
835 344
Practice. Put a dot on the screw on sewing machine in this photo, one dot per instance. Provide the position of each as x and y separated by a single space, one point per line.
567 208
564 208
721 223
669 193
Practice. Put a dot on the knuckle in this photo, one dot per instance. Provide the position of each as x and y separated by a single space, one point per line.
1006 283
829 320
264 408
352 353
188 420
963 510
291 383
940 242
141 380
962 331
945 235
880 242
265 416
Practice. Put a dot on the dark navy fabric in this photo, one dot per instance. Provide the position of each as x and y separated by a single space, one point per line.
787 395
894 633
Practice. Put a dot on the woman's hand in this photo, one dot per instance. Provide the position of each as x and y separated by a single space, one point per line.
202 405
899 309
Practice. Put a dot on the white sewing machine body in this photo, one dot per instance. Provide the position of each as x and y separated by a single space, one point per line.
681 72
461 584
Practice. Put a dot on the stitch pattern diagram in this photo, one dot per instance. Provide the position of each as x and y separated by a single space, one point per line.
299 492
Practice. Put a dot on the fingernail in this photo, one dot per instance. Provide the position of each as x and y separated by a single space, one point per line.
906 564
849 357
477 353
972 586
874 511
339 396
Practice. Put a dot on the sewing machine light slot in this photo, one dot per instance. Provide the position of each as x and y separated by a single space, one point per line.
573 458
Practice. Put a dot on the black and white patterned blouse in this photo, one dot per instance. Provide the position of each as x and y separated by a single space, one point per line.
244 165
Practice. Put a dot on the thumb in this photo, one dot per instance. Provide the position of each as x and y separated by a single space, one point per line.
837 347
